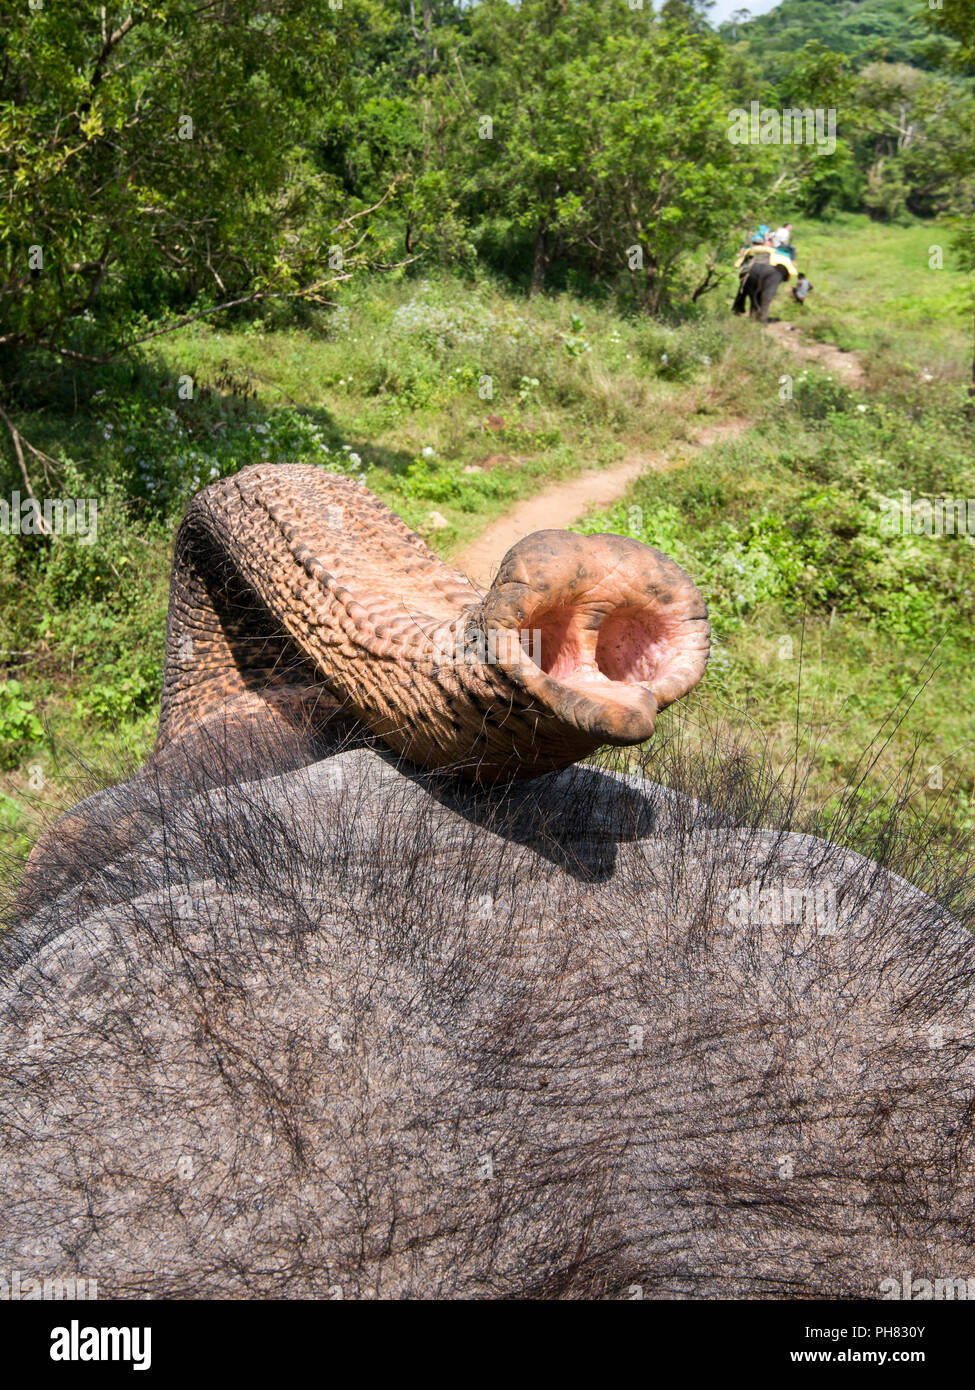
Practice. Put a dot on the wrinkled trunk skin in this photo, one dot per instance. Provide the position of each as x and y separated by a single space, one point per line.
295 589
556 1032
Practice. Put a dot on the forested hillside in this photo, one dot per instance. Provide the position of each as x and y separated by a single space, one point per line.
864 31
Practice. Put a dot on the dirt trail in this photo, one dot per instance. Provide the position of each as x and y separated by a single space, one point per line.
568 502
845 364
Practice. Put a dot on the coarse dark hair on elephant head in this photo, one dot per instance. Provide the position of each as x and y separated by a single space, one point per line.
296 1019
758 285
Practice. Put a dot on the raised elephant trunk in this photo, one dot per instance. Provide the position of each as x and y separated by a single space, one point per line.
289 581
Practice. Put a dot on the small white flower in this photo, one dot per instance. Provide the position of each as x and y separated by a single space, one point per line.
861 408
354 458
428 451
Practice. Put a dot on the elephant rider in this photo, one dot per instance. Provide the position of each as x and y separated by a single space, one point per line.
761 270
781 239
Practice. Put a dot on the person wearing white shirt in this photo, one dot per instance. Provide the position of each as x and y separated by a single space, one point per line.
782 236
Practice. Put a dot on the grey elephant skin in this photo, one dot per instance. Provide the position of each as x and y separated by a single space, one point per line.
350 1032
758 286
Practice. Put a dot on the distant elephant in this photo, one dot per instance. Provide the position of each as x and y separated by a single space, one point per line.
759 285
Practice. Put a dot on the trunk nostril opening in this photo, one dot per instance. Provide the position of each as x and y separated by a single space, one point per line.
551 644
626 647
630 647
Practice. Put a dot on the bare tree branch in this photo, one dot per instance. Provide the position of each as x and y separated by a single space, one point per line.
18 450
111 42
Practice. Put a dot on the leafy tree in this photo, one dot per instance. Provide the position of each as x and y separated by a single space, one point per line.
686 14
154 154
914 130
957 18
599 139
389 120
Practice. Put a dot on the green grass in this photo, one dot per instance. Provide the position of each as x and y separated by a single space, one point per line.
876 290
424 379
778 527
